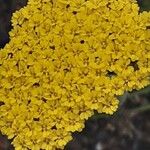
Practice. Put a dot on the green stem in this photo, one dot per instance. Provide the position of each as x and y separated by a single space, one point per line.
142 108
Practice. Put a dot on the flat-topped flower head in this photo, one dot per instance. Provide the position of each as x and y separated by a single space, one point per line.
65 60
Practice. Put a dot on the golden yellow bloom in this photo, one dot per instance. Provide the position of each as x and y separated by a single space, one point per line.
66 59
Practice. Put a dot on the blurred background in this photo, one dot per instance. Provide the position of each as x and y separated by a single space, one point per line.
127 129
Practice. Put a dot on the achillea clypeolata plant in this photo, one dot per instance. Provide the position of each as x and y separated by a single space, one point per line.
65 59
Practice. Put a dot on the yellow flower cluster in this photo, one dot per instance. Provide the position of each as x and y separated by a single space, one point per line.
65 59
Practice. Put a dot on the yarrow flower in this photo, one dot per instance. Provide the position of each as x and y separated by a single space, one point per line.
65 59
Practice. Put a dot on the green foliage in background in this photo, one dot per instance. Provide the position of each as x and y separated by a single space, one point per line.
145 5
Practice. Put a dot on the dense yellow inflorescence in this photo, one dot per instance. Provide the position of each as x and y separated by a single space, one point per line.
65 59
